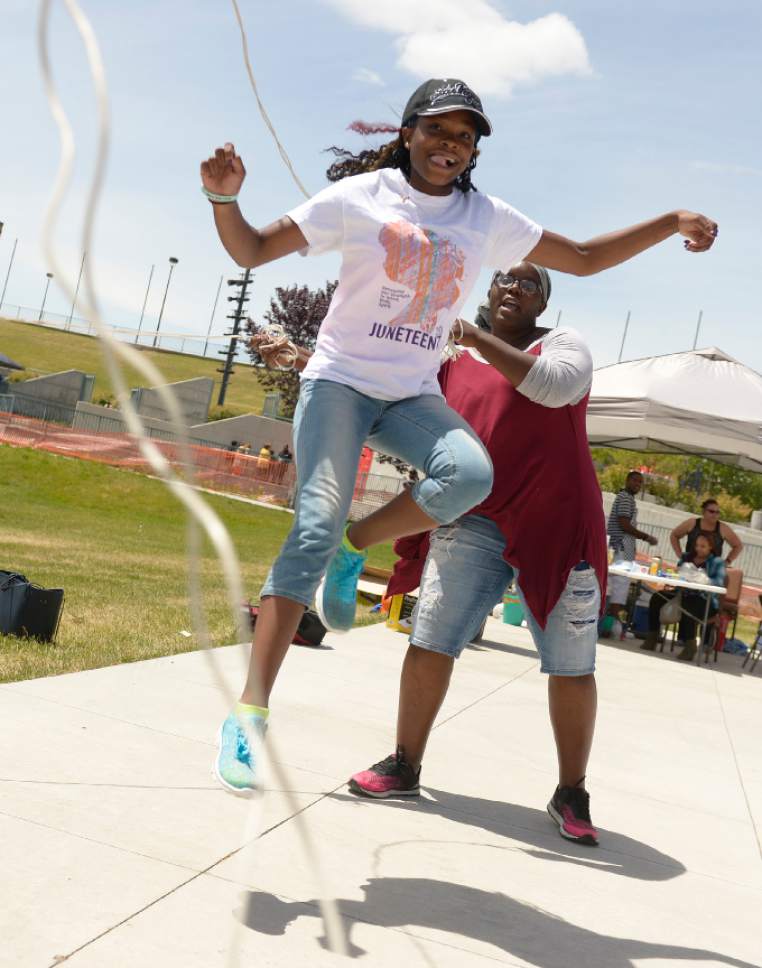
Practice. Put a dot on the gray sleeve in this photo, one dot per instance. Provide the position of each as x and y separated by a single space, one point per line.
626 506
562 374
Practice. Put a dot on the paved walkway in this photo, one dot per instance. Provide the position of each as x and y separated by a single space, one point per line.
117 849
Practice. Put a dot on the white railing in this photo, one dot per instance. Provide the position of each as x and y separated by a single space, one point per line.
165 340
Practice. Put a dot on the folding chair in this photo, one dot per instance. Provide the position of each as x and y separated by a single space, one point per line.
728 609
755 651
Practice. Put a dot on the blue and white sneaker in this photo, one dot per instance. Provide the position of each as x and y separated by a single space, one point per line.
235 766
336 597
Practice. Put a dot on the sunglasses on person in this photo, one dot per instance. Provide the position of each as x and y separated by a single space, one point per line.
711 510
528 286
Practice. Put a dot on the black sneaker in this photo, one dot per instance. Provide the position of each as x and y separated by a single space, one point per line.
392 777
570 808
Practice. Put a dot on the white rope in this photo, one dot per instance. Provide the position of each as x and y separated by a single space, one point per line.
200 515
287 355
262 109
452 349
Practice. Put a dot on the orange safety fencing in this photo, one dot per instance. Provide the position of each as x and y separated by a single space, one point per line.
272 481
213 467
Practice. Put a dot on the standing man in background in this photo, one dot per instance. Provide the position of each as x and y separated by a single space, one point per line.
623 533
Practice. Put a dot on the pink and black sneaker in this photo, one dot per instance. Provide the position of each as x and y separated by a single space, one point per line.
570 808
392 777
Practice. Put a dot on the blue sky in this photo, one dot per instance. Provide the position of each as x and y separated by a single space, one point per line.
604 115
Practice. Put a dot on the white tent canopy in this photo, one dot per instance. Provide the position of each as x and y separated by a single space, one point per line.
701 403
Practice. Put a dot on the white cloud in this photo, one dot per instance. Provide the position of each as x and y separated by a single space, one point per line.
366 76
726 169
473 41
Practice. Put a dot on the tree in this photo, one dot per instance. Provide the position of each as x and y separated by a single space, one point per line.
300 311
682 481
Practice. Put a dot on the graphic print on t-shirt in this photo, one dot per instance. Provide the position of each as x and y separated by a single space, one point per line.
428 264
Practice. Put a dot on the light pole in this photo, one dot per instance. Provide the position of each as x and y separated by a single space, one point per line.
211 318
145 300
76 291
698 327
624 335
8 273
45 295
172 263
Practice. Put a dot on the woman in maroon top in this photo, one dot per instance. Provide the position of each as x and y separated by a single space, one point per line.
524 390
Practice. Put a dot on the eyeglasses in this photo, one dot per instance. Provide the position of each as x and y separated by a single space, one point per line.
528 286
711 510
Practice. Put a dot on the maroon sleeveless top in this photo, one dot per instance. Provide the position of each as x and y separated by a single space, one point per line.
545 498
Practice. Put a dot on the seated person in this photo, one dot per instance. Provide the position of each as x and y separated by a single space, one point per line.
708 524
692 601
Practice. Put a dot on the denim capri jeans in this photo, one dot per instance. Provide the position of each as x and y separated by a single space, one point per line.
332 423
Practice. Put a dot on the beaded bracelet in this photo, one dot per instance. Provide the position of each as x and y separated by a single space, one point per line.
221 199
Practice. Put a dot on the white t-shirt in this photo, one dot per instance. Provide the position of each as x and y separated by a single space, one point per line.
409 261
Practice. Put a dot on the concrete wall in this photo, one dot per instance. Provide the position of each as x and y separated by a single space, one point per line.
91 417
65 389
247 429
250 429
194 397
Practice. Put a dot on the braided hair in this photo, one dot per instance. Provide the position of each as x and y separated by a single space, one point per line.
393 154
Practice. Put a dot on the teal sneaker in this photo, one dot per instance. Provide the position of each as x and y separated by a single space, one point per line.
336 597
235 766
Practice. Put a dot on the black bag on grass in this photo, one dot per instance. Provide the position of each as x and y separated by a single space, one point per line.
311 630
27 609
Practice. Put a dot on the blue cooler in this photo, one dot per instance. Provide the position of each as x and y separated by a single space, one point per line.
640 621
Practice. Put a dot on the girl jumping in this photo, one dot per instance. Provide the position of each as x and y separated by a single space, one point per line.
413 233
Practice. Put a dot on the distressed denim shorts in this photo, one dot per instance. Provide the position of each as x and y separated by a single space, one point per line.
465 576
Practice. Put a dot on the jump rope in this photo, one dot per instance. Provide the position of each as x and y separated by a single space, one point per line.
201 519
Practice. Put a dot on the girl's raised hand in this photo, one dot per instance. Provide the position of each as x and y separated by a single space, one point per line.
223 173
276 351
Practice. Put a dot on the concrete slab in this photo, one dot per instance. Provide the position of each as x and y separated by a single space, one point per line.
128 786
119 850
60 891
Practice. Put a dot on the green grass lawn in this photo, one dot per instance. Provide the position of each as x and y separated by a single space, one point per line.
115 541
43 350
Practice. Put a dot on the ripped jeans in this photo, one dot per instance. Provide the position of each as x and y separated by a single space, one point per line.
465 576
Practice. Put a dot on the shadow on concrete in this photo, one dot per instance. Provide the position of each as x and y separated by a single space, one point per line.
618 854
517 928
487 645
728 664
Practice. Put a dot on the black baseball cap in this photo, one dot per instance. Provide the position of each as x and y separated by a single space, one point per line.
446 94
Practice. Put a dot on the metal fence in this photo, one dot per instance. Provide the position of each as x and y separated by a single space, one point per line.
373 491
659 520
164 340
211 464
16 405
26 406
